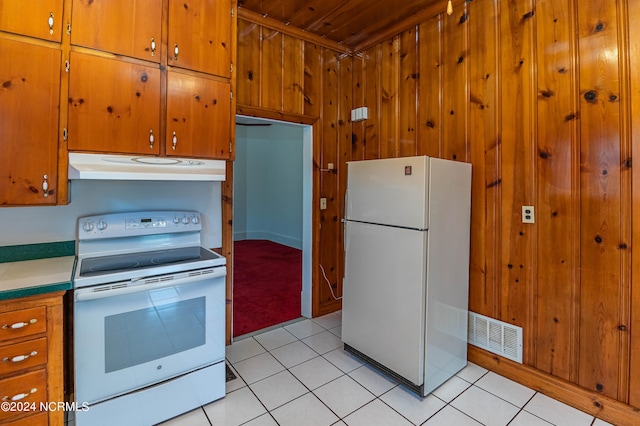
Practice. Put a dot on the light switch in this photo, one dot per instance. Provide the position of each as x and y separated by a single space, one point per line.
323 203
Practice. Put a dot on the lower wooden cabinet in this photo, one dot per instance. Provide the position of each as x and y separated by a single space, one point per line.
31 360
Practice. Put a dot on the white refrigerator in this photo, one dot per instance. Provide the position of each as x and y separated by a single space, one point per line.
406 281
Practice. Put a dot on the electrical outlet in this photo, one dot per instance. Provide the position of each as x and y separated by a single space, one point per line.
330 166
528 214
323 203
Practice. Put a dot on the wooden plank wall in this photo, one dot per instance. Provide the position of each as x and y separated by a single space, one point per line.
295 78
542 97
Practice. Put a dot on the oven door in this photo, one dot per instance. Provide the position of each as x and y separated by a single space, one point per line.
126 338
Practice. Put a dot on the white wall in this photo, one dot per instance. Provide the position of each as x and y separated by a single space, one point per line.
27 225
268 184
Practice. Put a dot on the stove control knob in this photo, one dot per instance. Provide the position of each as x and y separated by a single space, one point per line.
185 220
176 220
195 220
101 225
87 226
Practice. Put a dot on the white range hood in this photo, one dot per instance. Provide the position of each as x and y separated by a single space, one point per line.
125 167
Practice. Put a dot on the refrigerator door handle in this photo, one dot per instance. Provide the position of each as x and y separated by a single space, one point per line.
345 246
345 208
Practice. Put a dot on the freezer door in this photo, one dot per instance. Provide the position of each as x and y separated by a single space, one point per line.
391 191
383 309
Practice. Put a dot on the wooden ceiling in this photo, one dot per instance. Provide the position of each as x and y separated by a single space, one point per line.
349 22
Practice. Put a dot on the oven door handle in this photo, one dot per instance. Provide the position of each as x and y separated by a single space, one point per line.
102 292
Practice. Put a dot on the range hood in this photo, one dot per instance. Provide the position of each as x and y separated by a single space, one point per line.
124 167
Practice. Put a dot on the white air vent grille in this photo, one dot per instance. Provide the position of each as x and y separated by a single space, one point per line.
496 336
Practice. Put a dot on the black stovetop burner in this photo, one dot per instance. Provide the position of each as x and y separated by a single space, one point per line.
130 261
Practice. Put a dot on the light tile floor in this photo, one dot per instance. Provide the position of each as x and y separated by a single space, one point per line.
299 375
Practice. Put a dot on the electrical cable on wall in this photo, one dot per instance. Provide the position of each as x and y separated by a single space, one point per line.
329 284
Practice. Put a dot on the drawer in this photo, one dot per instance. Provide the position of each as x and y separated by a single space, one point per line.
40 419
23 322
19 356
34 384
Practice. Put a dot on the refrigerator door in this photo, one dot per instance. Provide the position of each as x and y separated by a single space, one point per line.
383 309
390 191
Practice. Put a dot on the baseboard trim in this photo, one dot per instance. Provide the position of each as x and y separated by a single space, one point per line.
597 405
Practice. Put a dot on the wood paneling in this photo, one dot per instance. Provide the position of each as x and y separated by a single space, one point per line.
634 81
330 253
389 64
516 184
249 73
272 73
557 208
484 153
545 99
293 77
455 62
371 81
408 93
429 100
600 197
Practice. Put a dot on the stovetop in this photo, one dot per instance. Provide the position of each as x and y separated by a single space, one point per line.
137 266
103 265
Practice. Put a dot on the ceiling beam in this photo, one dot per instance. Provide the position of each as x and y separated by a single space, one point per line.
273 24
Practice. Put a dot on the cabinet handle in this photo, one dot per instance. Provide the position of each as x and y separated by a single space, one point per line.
174 141
152 138
153 46
19 396
50 21
45 186
175 52
19 324
19 358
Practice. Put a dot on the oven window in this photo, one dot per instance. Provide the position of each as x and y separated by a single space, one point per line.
136 337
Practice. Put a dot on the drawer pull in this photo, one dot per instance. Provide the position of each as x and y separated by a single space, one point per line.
19 324
19 358
19 396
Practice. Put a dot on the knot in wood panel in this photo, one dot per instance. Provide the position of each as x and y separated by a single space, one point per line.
591 96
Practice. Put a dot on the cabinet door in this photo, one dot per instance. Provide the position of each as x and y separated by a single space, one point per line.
29 101
41 19
200 33
127 27
198 116
114 106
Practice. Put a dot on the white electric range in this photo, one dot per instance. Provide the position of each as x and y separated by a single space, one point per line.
149 318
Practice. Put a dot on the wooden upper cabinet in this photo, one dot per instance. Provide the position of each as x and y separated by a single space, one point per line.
200 35
41 19
127 27
198 121
114 106
29 100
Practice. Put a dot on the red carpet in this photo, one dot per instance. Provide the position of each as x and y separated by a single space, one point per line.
267 282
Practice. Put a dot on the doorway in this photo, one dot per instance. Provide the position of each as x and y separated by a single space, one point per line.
272 221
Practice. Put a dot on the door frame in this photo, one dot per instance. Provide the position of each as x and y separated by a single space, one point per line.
227 210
